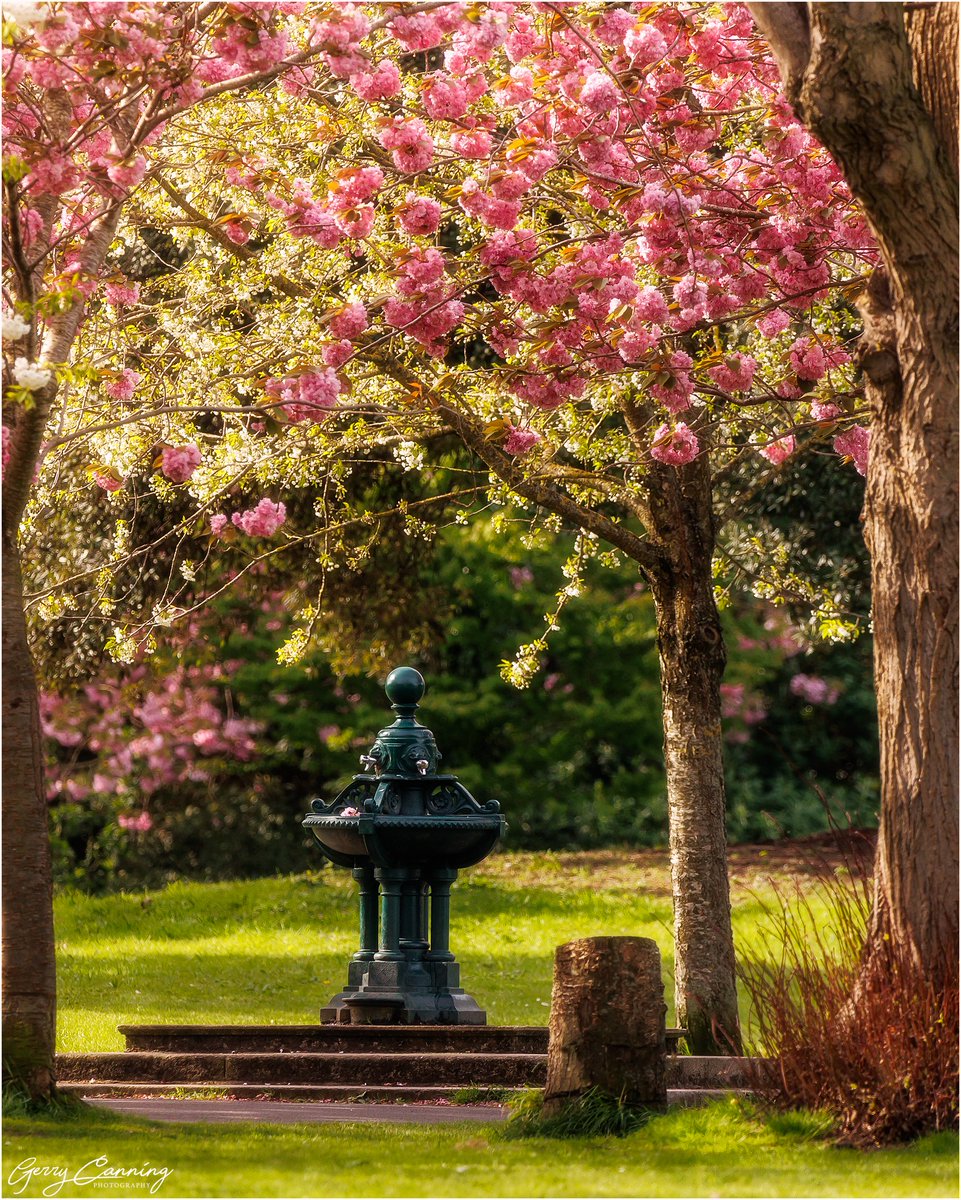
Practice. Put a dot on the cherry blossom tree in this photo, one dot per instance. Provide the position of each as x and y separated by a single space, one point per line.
594 243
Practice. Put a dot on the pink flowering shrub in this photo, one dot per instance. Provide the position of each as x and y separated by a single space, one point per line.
147 733
813 689
141 823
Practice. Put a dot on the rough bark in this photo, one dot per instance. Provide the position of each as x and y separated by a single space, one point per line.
607 1023
692 660
878 84
29 972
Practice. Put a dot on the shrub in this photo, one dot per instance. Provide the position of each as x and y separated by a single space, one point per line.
878 1049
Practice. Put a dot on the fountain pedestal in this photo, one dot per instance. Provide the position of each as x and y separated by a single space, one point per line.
404 831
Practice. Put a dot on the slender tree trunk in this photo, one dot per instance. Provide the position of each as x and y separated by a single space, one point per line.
692 658
29 971
676 559
878 83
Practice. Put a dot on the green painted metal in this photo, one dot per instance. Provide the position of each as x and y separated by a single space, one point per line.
405 831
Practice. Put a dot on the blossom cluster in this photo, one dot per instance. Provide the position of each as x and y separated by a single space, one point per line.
146 732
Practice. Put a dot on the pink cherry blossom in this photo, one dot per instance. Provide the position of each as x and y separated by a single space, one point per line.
824 411
777 452
520 441
381 83
600 92
735 373
411 146
645 45
471 143
335 354
128 174
445 98
675 446
420 215
855 443
808 359
262 521
350 322
774 322
307 397
122 293
124 385
237 232
178 463
218 522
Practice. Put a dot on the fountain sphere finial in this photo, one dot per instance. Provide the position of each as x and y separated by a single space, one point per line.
405 686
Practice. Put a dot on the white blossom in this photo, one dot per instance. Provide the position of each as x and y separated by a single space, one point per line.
14 327
31 376
24 12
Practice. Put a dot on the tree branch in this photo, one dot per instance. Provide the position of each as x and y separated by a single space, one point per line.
787 30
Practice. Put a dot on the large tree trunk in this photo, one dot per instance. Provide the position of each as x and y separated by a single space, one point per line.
29 971
882 95
692 657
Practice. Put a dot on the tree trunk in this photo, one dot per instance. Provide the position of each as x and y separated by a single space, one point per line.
883 98
29 971
676 559
607 1023
692 658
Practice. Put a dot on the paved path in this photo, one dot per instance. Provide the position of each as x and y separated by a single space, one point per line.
280 1113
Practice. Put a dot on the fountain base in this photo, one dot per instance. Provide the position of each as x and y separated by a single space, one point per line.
403 993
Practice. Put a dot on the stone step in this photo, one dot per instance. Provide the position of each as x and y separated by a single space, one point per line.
360 1039
379 1039
703 1071
358 1070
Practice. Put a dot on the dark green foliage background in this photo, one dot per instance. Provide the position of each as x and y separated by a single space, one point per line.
575 759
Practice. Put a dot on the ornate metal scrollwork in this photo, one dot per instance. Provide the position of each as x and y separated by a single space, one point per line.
450 798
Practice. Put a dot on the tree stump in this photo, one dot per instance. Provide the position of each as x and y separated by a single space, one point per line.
607 1023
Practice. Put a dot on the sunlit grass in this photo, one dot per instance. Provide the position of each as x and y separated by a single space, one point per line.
274 950
722 1150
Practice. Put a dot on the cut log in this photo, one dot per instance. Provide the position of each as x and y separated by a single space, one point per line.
607 1023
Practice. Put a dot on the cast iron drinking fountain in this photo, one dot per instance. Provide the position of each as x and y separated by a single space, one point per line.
404 831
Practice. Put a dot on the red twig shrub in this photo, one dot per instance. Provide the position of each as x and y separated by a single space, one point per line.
877 1050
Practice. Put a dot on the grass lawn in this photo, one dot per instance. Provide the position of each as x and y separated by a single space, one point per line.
722 1150
276 949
